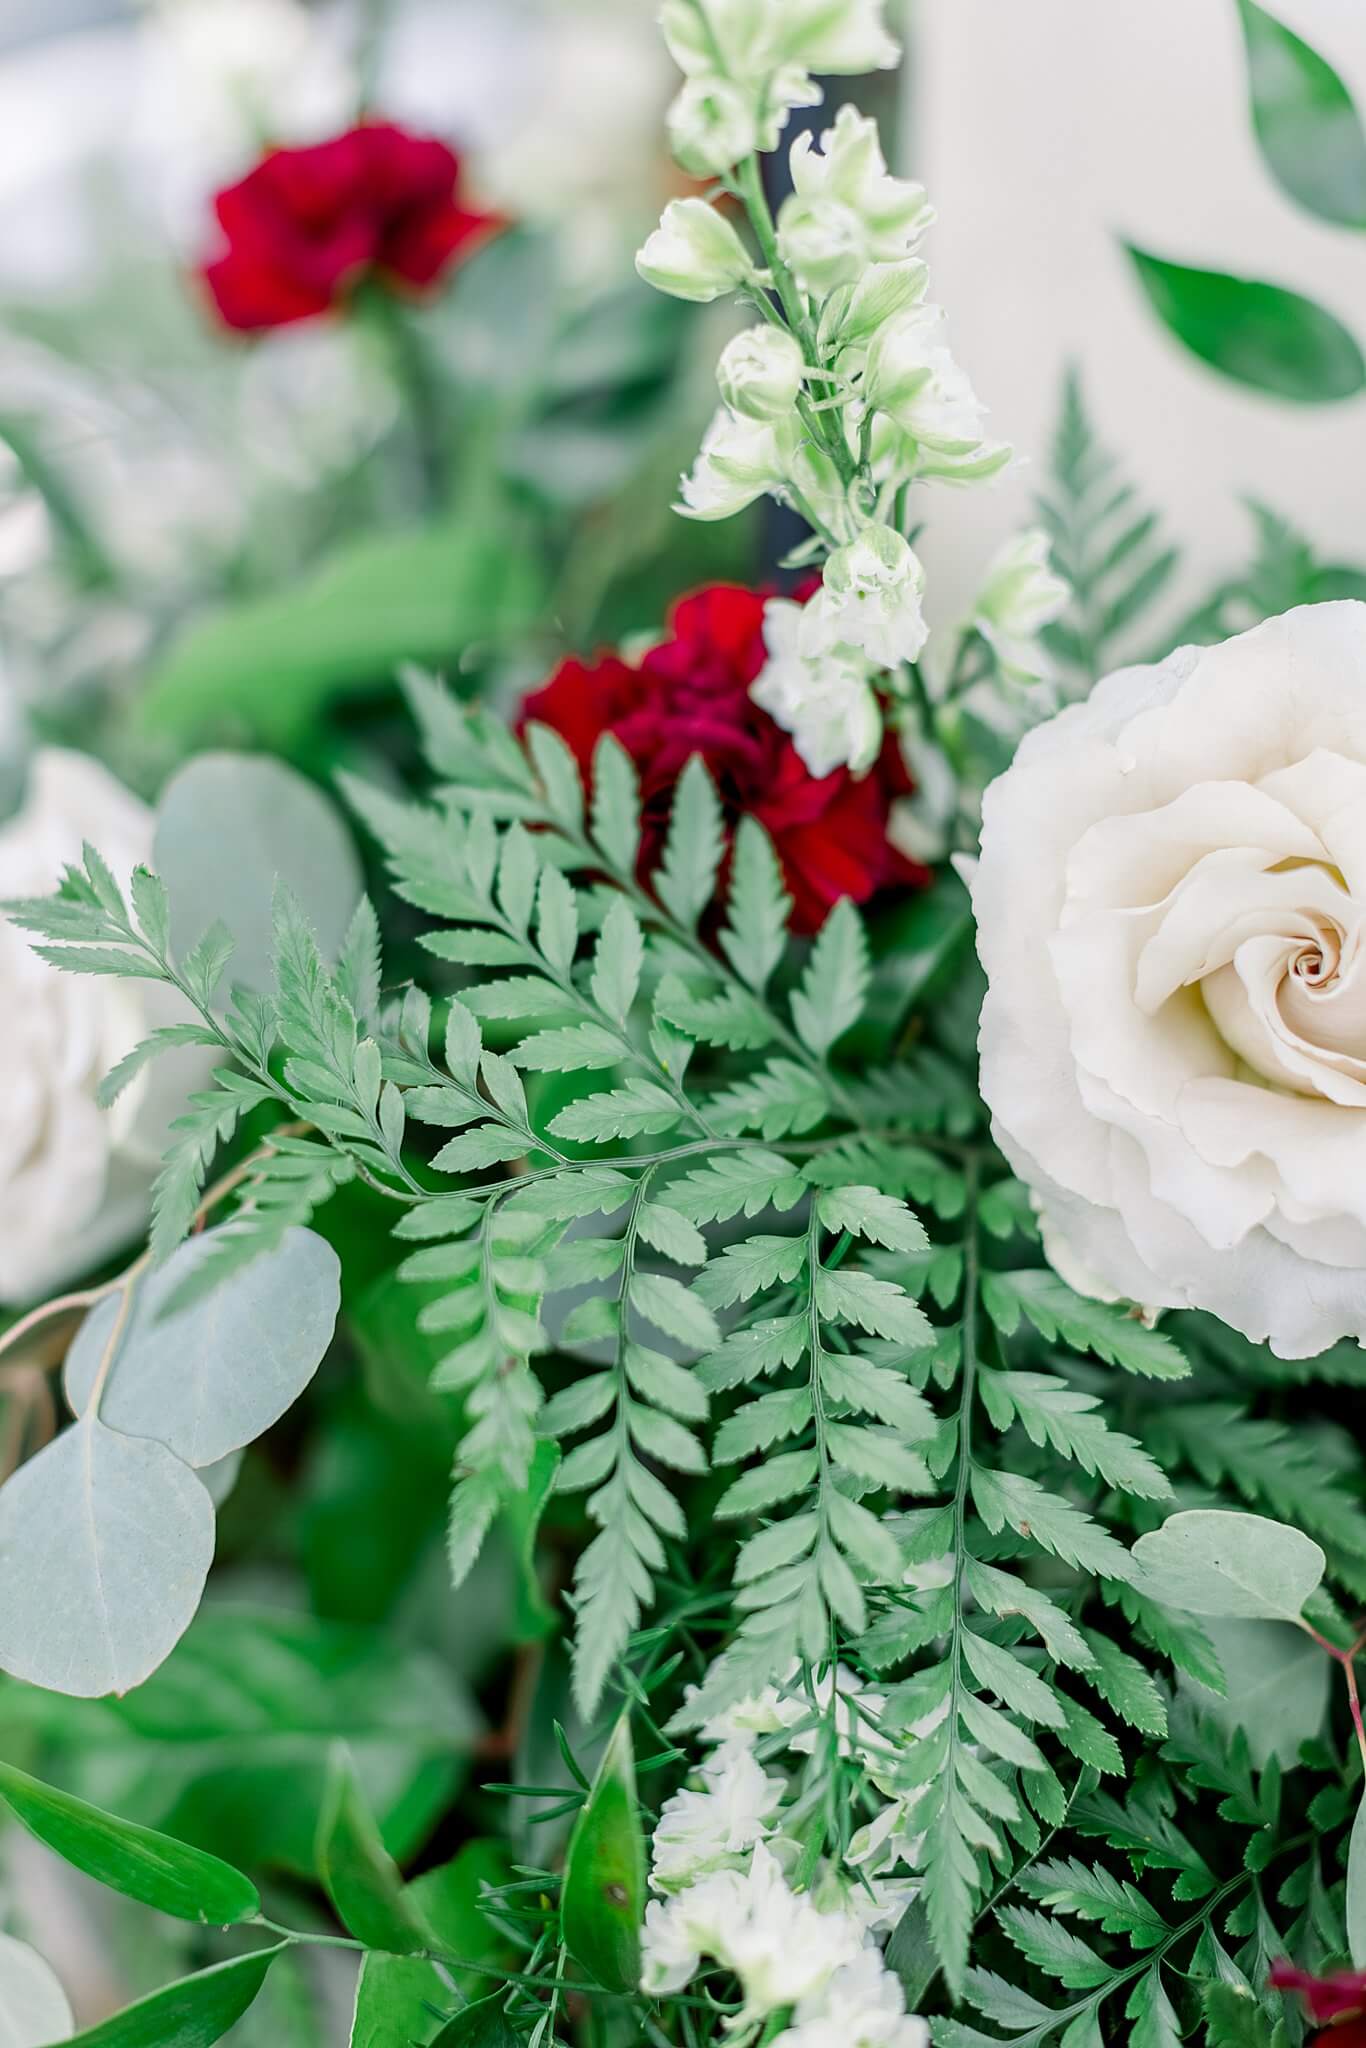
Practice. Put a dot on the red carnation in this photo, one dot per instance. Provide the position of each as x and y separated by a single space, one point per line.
1338 2001
690 695
306 226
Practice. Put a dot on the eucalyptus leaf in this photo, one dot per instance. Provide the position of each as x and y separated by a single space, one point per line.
105 1544
1306 124
1277 1685
603 1900
33 2006
1258 334
137 1861
194 2013
230 827
208 1379
1356 1889
1215 1561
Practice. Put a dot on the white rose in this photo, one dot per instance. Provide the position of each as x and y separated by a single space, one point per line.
74 1179
1171 907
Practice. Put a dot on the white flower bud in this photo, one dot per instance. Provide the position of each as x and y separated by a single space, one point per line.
870 600
711 126
740 459
911 376
1020 596
760 373
824 701
694 253
845 211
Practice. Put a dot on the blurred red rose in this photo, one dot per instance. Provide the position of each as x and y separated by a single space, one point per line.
690 695
1338 2001
306 226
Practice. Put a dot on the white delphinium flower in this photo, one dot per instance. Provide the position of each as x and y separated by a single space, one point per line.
760 373
845 210
701 1831
863 2006
870 599
694 253
739 460
1020 596
766 51
910 375
712 125
824 700
780 1946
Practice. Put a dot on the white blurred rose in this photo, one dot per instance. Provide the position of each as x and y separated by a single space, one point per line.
1171 909
74 1179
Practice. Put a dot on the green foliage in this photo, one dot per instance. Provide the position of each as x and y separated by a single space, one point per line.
1103 541
1260 334
603 1899
1305 121
751 1336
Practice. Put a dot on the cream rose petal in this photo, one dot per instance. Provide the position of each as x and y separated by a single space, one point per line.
1170 906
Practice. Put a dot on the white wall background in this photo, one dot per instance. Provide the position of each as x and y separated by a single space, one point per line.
1045 129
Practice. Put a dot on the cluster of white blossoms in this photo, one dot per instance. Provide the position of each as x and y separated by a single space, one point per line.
846 393
723 1866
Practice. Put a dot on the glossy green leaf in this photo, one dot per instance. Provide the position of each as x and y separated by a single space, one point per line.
1308 128
396 1996
483 2024
603 1899
154 1868
191 2014
360 1877
1258 334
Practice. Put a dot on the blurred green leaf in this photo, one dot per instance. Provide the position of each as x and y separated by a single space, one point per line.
267 668
359 1875
191 2014
1305 121
225 1745
1257 334
915 944
602 1903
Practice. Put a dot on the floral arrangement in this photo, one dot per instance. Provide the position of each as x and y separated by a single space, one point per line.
916 1505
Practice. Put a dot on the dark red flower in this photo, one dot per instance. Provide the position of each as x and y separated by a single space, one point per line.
306 226
1337 2002
690 695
